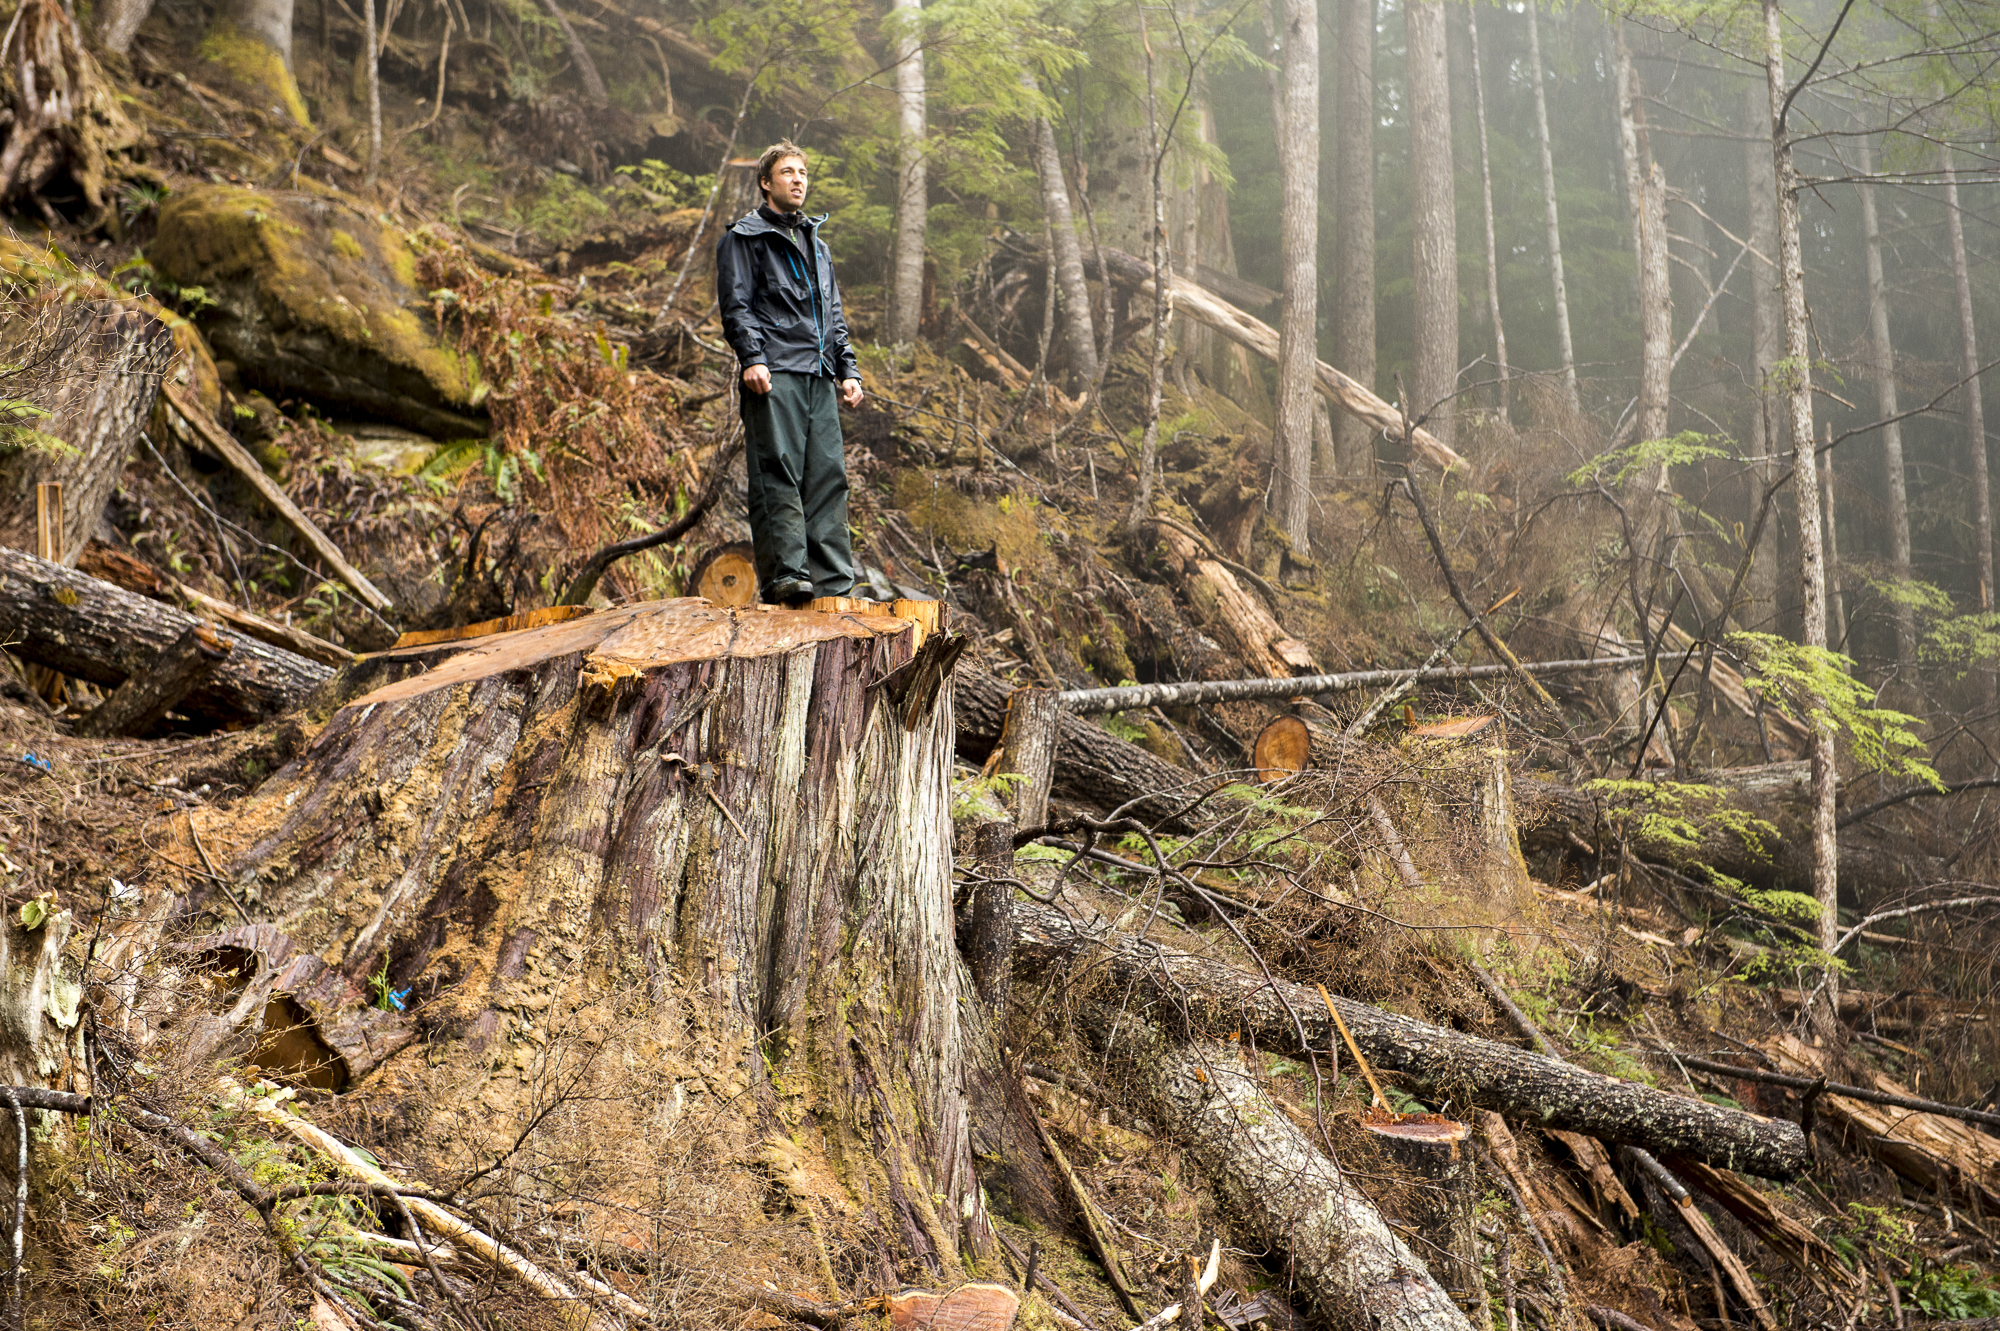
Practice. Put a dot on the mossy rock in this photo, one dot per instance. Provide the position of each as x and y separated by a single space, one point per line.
315 299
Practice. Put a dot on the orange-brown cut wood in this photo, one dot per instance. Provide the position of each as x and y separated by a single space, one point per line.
485 628
1283 748
726 575
971 1307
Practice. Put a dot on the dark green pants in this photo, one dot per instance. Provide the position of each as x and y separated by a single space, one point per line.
798 485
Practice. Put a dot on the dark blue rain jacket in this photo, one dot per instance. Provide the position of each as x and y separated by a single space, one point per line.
778 309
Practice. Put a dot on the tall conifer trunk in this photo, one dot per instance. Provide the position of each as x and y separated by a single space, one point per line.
1486 198
1551 212
1434 217
1975 406
1895 496
1354 241
906 280
1767 348
1079 337
1295 103
1796 374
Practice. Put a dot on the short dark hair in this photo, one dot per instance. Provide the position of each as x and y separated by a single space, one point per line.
775 154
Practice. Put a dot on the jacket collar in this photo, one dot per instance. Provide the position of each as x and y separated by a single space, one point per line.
754 223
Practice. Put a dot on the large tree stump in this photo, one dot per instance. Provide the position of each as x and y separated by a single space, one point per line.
738 820
111 359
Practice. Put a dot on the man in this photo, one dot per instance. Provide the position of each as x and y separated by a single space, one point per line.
781 313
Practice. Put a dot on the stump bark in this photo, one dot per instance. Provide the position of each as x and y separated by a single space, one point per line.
112 356
742 815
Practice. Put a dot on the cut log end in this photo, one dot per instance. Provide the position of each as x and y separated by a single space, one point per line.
1283 748
726 575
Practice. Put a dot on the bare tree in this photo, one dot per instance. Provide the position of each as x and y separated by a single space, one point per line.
1079 337
1434 216
1354 240
1163 288
906 282
1646 197
1882 355
1295 99
1486 198
1795 373
1552 214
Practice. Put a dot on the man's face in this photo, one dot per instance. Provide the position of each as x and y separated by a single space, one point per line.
786 188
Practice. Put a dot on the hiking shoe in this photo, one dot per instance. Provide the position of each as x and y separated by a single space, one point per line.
792 593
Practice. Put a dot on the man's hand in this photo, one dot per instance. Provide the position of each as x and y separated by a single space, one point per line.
757 378
850 393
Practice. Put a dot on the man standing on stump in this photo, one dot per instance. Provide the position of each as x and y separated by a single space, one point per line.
781 313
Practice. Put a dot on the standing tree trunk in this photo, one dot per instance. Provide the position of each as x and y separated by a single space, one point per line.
1975 406
1829 513
1295 106
1895 495
119 21
1554 221
1797 381
1079 336
1767 347
252 42
1434 218
371 72
1646 197
1486 198
906 278
1354 240
1163 300
707 822
111 358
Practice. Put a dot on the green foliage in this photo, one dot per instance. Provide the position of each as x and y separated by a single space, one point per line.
669 188
1674 812
1619 465
1819 684
1948 1293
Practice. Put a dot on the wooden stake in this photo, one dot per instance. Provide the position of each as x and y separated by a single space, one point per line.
49 546
1352 1047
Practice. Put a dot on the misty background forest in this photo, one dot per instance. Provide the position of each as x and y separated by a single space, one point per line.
1418 745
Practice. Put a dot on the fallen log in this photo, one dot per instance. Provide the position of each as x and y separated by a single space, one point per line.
1092 765
147 695
121 570
1527 1087
1129 696
73 623
1344 1256
1204 306
1243 621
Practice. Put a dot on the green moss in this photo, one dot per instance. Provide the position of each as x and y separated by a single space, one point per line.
1010 525
351 284
250 61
